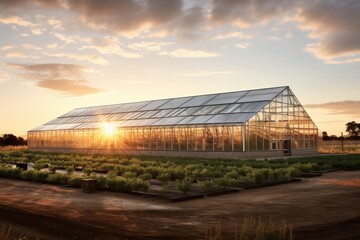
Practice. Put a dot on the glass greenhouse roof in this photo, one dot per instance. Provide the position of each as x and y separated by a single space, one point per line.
230 107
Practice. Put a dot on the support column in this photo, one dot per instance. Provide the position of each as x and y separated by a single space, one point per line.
244 136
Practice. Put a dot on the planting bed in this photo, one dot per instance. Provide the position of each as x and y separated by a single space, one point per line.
174 179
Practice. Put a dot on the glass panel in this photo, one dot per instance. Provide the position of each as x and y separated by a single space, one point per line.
131 115
174 103
276 90
147 114
154 105
195 120
175 112
168 121
230 108
259 97
188 111
198 100
139 122
129 107
205 110
162 113
74 112
230 118
227 97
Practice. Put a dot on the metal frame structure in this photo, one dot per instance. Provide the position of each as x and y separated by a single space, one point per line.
253 120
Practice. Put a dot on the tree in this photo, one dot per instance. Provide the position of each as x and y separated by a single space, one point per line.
12 140
353 128
325 136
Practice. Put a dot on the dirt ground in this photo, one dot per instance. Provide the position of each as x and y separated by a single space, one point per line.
326 207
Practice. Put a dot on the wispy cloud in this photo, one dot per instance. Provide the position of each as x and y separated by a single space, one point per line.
4 76
110 45
64 78
72 38
31 47
71 87
206 74
17 54
242 45
230 35
149 46
188 53
7 47
80 57
55 24
35 29
339 108
52 46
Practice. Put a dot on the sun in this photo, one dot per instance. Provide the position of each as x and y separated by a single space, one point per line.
109 129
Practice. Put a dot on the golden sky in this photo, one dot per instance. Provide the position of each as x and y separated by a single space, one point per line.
57 55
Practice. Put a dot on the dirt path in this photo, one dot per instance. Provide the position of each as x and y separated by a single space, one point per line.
325 207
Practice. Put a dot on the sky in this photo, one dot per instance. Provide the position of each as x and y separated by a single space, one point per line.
57 55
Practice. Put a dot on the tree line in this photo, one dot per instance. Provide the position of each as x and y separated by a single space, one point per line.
12 140
352 128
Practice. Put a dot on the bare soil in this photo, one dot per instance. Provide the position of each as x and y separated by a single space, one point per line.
326 207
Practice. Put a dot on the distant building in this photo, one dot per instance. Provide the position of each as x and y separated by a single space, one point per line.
243 124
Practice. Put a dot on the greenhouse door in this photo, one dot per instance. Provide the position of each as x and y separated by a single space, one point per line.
287 147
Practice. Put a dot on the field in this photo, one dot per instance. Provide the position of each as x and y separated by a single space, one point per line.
303 209
337 146
173 178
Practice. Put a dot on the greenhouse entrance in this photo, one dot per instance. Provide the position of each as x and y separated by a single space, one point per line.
287 147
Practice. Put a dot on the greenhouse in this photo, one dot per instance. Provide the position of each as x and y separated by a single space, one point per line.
243 124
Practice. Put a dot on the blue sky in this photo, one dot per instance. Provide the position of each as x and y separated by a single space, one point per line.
57 55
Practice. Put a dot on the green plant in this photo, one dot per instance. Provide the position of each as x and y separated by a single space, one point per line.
53 168
58 178
87 171
207 184
70 170
112 174
75 180
184 185
146 176
101 182
38 166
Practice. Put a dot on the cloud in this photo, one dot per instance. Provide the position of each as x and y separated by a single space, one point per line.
17 54
149 46
65 78
110 45
332 25
126 17
188 53
30 46
55 23
15 20
246 13
4 76
7 47
80 57
339 108
52 45
335 24
243 45
206 74
15 4
71 87
229 35
72 39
